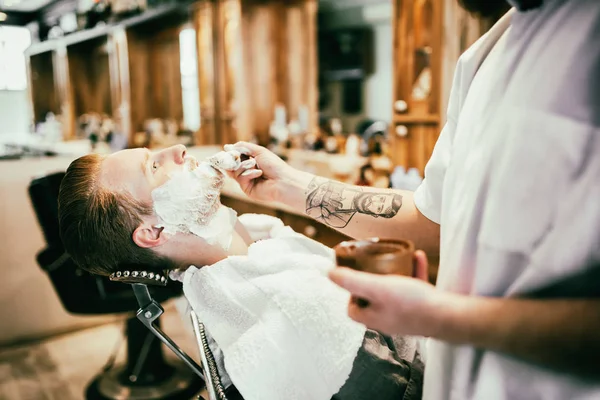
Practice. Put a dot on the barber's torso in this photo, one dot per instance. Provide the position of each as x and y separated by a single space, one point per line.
514 182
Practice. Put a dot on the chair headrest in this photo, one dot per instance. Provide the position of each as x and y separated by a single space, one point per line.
43 193
140 276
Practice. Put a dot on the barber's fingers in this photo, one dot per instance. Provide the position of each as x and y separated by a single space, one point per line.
245 165
251 174
360 284
244 175
249 149
421 264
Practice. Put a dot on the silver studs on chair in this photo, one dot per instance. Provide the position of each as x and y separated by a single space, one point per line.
143 277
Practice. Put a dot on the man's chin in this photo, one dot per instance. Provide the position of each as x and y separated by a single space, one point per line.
208 172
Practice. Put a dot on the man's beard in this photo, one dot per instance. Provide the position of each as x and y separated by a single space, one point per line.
191 197
485 8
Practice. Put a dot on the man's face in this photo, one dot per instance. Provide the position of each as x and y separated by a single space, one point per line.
139 171
377 204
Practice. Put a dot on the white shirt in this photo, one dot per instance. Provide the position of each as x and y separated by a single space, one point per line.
514 181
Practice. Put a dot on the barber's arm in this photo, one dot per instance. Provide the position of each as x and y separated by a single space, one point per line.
562 335
353 210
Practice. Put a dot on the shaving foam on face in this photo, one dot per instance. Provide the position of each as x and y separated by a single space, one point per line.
189 202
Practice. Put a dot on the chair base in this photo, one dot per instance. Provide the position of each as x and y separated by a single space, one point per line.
180 384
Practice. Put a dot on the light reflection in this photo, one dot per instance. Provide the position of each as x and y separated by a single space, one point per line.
13 42
189 78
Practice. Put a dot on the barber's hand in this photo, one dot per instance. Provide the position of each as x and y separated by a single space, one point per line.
265 180
396 304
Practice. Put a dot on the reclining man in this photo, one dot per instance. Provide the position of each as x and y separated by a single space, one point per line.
280 325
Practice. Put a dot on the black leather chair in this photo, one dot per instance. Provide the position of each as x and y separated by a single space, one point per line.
145 374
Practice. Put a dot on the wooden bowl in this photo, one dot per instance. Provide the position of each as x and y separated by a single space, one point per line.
377 256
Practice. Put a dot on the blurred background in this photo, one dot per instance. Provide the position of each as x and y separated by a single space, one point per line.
355 90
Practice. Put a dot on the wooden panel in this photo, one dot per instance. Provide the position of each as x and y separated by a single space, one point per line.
279 54
44 95
62 83
203 22
418 52
154 74
90 77
414 149
309 18
165 75
139 80
301 60
437 20
119 79
260 67
403 54
229 67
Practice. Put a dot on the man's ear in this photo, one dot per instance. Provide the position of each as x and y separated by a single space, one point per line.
148 236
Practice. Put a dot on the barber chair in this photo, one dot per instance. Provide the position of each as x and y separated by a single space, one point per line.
145 374
149 312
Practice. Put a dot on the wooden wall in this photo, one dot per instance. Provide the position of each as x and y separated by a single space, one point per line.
139 80
280 61
417 26
44 96
154 75
118 58
252 56
203 20
229 68
63 89
90 77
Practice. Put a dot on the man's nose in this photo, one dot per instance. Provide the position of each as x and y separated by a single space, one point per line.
178 153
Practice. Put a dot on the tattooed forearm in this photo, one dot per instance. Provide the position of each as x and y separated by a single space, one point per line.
335 204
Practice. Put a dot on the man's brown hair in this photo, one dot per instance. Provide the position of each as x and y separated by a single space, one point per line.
96 225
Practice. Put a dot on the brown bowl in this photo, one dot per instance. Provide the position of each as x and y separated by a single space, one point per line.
377 256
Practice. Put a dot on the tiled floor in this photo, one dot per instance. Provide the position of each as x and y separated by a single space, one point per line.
60 368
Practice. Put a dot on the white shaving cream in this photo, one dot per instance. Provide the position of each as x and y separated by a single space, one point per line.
189 202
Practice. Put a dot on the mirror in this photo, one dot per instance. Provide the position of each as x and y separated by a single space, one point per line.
355 70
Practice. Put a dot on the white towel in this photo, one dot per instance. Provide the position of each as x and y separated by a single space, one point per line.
260 226
281 324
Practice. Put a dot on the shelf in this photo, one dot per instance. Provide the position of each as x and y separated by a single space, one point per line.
82 36
416 119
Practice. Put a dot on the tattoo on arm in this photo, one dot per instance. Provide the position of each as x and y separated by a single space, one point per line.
334 203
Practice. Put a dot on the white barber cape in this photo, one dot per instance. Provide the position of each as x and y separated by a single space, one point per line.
281 326
514 181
